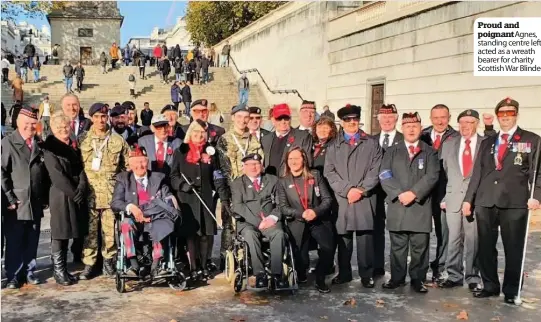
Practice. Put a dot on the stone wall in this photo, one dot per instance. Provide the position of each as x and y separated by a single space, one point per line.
423 59
64 31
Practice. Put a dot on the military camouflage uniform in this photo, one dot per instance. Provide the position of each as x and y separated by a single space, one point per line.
102 182
230 156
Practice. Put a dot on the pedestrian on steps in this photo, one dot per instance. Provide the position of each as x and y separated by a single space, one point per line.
131 82
113 52
142 63
186 98
103 62
176 96
68 76
37 68
166 69
178 69
79 72
198 70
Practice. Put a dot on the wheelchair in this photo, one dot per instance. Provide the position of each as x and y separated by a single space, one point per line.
174 276
237 263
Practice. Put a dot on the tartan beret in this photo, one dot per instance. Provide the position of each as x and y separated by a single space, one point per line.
388 109
411 118
29 112
137 151
308 104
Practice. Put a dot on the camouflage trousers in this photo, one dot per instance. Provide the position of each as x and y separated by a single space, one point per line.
108 249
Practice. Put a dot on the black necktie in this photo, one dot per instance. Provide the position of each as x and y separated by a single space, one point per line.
385 144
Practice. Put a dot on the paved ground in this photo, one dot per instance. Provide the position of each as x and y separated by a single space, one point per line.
98 300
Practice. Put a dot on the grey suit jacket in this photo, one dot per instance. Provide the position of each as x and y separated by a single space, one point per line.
457 185
149 143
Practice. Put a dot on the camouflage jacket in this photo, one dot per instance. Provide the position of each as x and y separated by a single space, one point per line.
230 155
114 161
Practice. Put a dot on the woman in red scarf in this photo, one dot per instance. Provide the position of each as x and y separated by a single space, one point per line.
195 167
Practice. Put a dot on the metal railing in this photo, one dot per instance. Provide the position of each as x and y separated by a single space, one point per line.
273 91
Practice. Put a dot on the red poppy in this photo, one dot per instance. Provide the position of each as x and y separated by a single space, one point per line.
290 139
363 134
169 150
498 167
311 181
212 133
516 137
205 158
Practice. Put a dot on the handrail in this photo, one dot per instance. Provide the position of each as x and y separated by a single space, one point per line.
276 91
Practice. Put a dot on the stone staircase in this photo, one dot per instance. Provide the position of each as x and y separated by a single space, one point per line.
113 87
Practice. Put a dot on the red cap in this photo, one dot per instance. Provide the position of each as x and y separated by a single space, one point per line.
281 110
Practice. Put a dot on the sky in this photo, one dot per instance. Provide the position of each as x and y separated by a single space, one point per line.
139 17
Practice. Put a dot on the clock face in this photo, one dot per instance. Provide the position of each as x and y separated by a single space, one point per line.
85 32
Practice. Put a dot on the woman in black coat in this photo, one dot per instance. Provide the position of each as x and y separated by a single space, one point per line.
304 199
68 191
197 161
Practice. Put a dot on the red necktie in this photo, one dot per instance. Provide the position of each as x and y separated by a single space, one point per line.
73 126
170 131
29 143
352 140
317 149
256 185
160 154
437 142
412 151
502 147
467 159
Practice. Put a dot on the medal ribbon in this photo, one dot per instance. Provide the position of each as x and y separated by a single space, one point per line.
304 200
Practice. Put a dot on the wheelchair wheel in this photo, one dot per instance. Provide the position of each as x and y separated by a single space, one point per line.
120 284
239 283
178 283
229 270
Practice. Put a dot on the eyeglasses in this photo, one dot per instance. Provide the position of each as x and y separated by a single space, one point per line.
351 119
200 111
255 117
283 118
506 113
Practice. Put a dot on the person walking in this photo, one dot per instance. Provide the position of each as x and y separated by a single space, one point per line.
178 69
68 76
5 70
103 62
205 63
176 96
17 86
79 73
37 68
113 52
244 89
186 93
142 61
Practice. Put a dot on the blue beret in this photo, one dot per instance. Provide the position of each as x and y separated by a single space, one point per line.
98 108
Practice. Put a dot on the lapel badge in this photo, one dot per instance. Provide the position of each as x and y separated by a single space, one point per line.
291 186
421 164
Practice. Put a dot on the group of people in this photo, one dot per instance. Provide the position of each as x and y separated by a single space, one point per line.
314 184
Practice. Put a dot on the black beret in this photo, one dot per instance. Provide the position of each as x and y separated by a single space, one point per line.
252 156
118 110
238 108
137 151
508 101
254 110
29 112
117 103
169 107
388 109
473 113
129 104
98 108
349 111
202 102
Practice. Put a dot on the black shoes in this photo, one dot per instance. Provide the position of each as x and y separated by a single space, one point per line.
261 280
449 284
474 287
301 278
391 285
419 287
87 273
60 273
13 284
340 280
484 294
379 272
321 286
109 267
32 279
368 282
280 282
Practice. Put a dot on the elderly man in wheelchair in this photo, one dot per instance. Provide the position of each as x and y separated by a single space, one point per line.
254 207
149 206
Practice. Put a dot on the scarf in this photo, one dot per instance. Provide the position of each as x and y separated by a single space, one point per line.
194 154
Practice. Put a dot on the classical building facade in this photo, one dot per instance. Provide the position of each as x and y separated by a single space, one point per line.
85 29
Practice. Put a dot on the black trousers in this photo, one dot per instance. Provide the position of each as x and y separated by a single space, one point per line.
59 245
113 63
442 237
417 244
512 223
365 254
5 73
142 72
77 247
22 240
198 249
379 240
322 233
79 83
276 237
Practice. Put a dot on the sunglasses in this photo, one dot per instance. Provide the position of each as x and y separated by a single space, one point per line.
283 118
351 119
200 111
255 117
506 113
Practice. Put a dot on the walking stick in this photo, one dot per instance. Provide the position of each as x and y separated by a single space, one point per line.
518 300
201 199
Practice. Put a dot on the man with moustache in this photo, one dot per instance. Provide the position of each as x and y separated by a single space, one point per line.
276 145
458 155
389 136
131 122
232 147
307 115
500 192
199 111
409 172
175 130
119 118
254 123
25 182
72 108
105 154
351 168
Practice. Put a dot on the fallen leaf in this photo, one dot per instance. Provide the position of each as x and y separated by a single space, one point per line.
463 315
380 302
431 285
350 302
351 320
237 319
496 318
324 317
450 305
527 300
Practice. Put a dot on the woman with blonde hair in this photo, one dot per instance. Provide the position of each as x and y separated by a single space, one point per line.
215 116
67 193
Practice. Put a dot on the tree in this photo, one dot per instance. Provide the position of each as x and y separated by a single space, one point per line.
32 9
210 22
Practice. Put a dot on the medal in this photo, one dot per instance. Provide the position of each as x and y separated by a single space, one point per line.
421 164
518 159
516 147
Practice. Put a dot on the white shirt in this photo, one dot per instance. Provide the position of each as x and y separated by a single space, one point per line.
305 128
260 185
257 134
510 132
433 135
5 63
473 145
145 185
156 141
392 134
46 109
414 146
282 135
